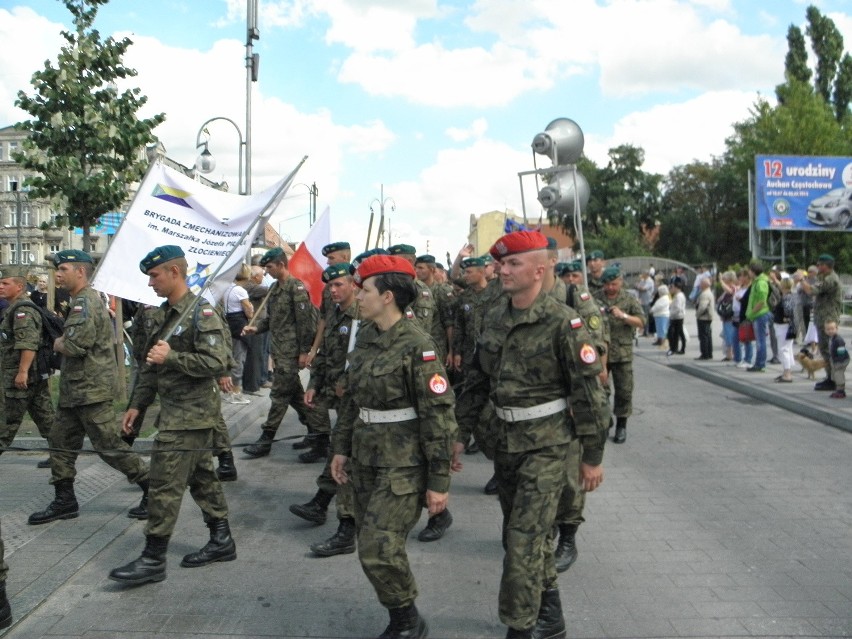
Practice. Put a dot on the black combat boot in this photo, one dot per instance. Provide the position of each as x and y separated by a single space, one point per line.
64 505
141 511
5 608
566 549
315 510
620 430
491 486
44 463
227 471
405 623
262 446
437 526
513 633
340 543
550 623
220 547
318 451
303 443
151 565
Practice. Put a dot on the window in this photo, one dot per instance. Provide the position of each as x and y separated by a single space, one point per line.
93 244
13 218
25 216
13 253
54 247
26 258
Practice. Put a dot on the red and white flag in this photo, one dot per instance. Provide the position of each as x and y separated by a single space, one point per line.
308 262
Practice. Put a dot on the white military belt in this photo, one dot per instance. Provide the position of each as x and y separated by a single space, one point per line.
373 416
512 414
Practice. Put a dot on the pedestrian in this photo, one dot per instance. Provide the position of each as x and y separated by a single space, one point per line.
838 359
677 312
743 351
660 313
291 320
785 329
725 311
759 313
397 429
828 304
539 359
24 389
325 390
187 351
704 317
238 313
645 289
624 317
255 367
86 393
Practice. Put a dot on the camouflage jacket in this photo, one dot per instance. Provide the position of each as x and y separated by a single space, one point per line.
89 368
582 301
445 300
470 310
828 298
20 330
186 381
621 334
537 355
291 320
392 370
559 292
595 284
330 363
422 308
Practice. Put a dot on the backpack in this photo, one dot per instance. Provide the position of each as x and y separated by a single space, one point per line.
725 306
47 361
775 296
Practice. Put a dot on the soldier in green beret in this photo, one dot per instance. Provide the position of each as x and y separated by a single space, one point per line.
291 321
623 314
828 305
186 353
595 265
334 253
86 392
444 297
23 389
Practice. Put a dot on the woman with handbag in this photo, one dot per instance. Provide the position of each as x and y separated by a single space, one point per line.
785 329
743 349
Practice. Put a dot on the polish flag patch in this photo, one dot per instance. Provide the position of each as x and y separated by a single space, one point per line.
207 312
576 322
438 384
77 309
429 356
20 315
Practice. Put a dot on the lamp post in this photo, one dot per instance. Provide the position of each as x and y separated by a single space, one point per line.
205 163
381 200
313 193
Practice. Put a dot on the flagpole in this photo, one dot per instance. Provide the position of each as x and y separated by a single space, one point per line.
273 203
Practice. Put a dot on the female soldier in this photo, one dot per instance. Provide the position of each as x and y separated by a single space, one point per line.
397 427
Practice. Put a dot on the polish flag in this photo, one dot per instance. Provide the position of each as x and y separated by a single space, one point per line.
308 262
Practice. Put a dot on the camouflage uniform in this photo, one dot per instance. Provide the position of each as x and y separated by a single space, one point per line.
559 292
394 463
422 308
595 284
292 322
20 330
444 298
620 355
828 304
189 409
327 376
549 357
86 393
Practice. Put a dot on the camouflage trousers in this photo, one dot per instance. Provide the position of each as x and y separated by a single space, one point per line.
221 437
345 498
621 374
287 391
98 422
178 461
4 569
36 401
529 486
474 413
573 499
388 502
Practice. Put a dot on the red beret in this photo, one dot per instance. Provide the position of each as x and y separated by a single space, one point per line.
379 264
518 242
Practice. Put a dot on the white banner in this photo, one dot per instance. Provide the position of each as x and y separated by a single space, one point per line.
209 225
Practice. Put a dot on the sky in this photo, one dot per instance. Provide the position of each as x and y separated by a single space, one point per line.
429 106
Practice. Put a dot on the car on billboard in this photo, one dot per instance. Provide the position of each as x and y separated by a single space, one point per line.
832 209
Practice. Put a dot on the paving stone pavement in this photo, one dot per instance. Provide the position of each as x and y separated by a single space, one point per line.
724 515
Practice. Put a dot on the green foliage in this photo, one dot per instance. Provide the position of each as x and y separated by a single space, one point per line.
617 241
827 44
85 137
796 62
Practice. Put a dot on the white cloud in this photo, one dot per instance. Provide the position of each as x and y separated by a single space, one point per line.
476 130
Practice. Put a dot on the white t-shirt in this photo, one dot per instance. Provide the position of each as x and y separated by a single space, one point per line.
234 297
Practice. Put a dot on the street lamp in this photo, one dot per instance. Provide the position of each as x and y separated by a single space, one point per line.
313 193
381 200
205 163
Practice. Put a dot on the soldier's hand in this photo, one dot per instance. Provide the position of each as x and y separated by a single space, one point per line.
59 345
309 398
436 502
457 362
591 476
456 464
310 358
338 474
466 250
21 380
303 360
249 330
127 421
158 352
226 384
603 376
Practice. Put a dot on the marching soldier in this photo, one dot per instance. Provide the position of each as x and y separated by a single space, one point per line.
187 353
442 294
595 265
828 304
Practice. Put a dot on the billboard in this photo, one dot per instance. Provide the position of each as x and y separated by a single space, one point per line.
803 193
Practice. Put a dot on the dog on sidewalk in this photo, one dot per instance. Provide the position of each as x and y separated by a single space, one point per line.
809 364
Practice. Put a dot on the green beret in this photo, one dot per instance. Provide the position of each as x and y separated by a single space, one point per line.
271 255
334 247
487 259
335 270
73 256
440 266
160 255
363 256
561 268
610 273
425 259
595 255
472 261
402 249
825 257
551 244
13 270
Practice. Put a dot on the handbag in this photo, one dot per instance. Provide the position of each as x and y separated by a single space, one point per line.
746 331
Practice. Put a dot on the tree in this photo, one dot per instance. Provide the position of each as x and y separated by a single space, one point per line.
827 44
85 138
